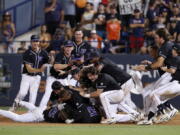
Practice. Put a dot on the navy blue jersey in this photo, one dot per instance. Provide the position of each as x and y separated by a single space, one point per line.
83 111
86 114
82 49
166 52
60 59
105 82
35 59
52 115
175 63
113 70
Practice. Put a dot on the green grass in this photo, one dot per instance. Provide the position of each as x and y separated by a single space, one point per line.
89 130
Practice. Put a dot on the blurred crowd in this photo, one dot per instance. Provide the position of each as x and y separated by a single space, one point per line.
103 26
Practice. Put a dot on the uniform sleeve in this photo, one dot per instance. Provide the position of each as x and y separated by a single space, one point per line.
27 59
164 51
175 63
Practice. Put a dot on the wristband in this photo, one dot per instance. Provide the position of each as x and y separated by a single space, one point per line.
148 67
87 95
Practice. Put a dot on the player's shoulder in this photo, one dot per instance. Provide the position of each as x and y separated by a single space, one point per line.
28 52
44 52
105 76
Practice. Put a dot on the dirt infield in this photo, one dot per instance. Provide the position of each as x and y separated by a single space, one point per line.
8 122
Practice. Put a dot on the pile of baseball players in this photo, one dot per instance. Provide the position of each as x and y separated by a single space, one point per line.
85 87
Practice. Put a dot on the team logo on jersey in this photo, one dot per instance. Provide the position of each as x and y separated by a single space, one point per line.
40 58
5 79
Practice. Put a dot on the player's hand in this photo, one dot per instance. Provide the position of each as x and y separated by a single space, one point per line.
83 94
61 106
146 62
61 72
139 68
163 68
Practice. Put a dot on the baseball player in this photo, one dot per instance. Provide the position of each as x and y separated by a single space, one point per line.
34 60
83 111
59 70
38 114
171 89
164 58
124 79
80 46
110 95
34 113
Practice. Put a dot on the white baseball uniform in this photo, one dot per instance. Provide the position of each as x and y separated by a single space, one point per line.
34 114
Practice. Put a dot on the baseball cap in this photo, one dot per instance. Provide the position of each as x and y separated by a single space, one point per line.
136 10
34 38
164 10
6 14
176 47
68 43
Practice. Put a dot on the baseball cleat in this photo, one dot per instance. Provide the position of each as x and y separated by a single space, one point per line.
145 122
172 113
137 117
109 121
161 118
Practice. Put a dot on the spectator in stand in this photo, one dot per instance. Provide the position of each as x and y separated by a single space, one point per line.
57 40
152 14
177 33
172 29
95 3
45 43
7 33
175 16
22 47
69 11
137 35
45 39
123 43
100 21
54 15
160 23
68 33
164 14
80 7
87 20
44 34
96 41
113 12
113 29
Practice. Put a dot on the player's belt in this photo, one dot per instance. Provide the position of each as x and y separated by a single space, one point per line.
32 74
